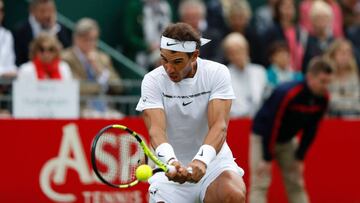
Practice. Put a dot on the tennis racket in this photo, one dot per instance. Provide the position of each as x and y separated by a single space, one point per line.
116 152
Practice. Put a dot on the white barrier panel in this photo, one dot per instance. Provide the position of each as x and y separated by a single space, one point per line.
46 99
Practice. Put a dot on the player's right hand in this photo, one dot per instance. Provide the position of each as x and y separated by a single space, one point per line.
181 174
198 170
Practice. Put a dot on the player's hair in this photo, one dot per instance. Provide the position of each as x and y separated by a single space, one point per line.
35 3
319 65
182 32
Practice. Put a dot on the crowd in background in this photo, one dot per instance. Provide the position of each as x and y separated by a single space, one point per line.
262 47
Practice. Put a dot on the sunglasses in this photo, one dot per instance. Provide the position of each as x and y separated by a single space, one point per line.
47 49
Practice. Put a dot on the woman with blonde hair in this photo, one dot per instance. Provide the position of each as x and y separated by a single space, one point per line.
45 62
345 88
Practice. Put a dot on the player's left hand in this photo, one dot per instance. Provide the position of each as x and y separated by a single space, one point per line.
198 171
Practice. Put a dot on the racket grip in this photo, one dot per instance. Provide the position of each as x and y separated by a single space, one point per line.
189 170
171 169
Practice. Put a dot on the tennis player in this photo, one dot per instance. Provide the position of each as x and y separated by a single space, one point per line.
186 104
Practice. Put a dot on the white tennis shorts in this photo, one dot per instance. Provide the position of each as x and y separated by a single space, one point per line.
163 190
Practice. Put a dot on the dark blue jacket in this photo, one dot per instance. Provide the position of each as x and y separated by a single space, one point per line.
291 108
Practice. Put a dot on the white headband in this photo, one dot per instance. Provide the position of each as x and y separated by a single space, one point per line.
182 46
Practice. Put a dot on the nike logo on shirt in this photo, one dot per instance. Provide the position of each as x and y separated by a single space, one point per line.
187 103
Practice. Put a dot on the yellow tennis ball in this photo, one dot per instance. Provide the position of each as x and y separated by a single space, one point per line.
143 172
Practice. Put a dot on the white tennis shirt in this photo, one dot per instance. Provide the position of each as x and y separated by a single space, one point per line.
185 104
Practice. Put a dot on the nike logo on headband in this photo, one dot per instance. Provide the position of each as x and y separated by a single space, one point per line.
171 44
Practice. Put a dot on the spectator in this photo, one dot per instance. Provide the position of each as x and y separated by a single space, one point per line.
352 27
350 10
7 62
7 55
264 17
248 80
321 20
280 70
345 88
337 20
284 29
353 34
193 12
238 20
292 108
42 18
144 23
45 63
92 68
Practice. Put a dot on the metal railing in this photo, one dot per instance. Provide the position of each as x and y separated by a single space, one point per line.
125 102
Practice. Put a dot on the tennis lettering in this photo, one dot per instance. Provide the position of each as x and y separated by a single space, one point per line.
72 157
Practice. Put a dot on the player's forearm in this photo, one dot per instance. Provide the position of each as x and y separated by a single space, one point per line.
217 135
157 136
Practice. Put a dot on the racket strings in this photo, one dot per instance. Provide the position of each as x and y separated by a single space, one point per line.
118 154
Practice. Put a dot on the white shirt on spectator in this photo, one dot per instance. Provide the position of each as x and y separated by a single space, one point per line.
7 55
249 85
27 71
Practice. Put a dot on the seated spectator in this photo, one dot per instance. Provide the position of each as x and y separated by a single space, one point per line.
286 29
45 62
264 16
92 67
248 80
280 69
238 20
337 22
321 37
353 31
144 22
7 63
350 10
193 12
345 88
42 18
7 55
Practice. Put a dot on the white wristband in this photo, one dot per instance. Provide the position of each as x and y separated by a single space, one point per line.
206 154
165 153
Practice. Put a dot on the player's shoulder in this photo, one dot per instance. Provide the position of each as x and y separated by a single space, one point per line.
212 66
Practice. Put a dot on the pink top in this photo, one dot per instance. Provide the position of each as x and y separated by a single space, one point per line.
305 22
296 48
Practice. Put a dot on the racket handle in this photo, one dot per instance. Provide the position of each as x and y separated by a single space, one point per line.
189 170
171 169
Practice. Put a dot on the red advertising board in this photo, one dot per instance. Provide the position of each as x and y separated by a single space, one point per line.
48 161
